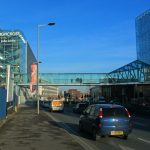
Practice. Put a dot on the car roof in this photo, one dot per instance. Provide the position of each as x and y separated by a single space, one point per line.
108 105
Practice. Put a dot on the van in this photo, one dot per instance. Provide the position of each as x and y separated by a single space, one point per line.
57 105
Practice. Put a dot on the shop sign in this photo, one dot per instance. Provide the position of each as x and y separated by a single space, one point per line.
4 34
9 33
7 40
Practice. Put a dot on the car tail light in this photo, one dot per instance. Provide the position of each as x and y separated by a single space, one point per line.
128 113
101 113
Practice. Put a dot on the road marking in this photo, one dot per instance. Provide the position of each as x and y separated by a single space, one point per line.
138 123
78 139
125 147
144 140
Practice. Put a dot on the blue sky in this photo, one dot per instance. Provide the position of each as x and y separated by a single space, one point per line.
90 36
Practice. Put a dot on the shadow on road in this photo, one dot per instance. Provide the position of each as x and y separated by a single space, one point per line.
69 127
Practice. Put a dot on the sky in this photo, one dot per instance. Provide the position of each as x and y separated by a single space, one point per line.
90 36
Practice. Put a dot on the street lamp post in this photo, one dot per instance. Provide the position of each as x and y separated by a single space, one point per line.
38 49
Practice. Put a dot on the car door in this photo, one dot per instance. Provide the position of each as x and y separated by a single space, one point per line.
85 117
91 119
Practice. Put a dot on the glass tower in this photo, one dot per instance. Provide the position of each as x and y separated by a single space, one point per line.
142 25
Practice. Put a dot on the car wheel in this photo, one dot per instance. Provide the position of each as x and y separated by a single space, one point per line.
80 127
94 134
125 137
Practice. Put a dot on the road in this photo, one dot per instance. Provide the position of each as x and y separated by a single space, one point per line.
139 139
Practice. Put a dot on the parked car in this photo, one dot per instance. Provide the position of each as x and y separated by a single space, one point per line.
80 107
106 119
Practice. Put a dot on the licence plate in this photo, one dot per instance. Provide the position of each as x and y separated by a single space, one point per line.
116 132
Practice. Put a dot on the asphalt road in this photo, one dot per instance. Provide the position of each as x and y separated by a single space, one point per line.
139 139
51 130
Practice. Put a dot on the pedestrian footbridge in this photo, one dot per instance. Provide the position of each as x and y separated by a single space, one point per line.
135 72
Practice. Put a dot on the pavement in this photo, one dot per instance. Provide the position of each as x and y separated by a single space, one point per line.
25 130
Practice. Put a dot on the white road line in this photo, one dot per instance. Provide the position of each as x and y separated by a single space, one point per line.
144 140
78 139
125 147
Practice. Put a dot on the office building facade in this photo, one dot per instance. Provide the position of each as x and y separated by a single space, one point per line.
142 25
16 52
48 92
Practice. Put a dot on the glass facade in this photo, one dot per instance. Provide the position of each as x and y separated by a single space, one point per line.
14 51
70 78
142 24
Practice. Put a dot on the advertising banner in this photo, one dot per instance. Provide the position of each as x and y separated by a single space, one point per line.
33 76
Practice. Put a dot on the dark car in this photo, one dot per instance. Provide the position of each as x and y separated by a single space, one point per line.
115 101
102 100
45 103
106 119
80 107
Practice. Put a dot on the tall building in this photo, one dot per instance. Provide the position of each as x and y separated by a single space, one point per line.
16 52
142 25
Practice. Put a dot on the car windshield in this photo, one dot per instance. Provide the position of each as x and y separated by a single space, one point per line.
114 112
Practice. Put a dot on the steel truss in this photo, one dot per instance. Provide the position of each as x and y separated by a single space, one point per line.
136 71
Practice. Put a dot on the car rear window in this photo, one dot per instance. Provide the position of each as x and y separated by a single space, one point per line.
114 112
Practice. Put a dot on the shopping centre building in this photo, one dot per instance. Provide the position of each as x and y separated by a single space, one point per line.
16 52
16 58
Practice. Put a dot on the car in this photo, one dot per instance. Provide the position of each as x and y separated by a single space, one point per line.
106 120
57 104
45 103
102 101
115 101
80 107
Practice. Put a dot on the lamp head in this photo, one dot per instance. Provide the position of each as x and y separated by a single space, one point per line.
51 24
